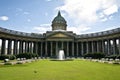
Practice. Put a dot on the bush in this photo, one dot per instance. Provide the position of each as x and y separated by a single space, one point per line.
113 56
10 57
94 55
118 57
27 55
2 57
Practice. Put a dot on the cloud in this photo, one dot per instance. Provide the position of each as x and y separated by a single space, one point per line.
79 29
84 13
26 13
20 11
28 20
46 14
111 10
42 28
110 28
89 10
104 19
4 18
47 27
48 0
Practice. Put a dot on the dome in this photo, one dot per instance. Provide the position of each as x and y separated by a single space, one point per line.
59 23
59 19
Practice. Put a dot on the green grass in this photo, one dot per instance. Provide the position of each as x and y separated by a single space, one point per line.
60 70
1 61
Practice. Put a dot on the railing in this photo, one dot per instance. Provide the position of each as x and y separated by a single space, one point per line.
113 31
20 33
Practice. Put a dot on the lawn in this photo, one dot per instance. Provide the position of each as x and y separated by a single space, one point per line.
60 70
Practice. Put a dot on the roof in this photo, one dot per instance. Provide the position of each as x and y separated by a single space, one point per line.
59 19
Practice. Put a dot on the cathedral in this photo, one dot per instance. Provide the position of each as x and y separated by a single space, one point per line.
48 44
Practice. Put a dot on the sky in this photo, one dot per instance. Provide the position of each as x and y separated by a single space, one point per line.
82 16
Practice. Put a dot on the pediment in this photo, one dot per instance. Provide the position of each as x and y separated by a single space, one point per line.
60 35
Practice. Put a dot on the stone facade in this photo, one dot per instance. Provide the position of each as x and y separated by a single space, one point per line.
49 43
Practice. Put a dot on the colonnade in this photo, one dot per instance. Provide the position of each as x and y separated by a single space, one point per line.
106 46
9 46
51 48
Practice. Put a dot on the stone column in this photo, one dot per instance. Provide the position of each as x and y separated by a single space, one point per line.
119 45
77 49
20 47
41 49
103 46
92 46
87 47
46 54
3 48
114 46
9 46
31 49
36 48
98 46
108 46
56 48
23 50
51 51
15 47
72 49
95 46
67 49
82 48
26 45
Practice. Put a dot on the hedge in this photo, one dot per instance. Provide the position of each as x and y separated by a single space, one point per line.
113 56
10 57
27 55
94 55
